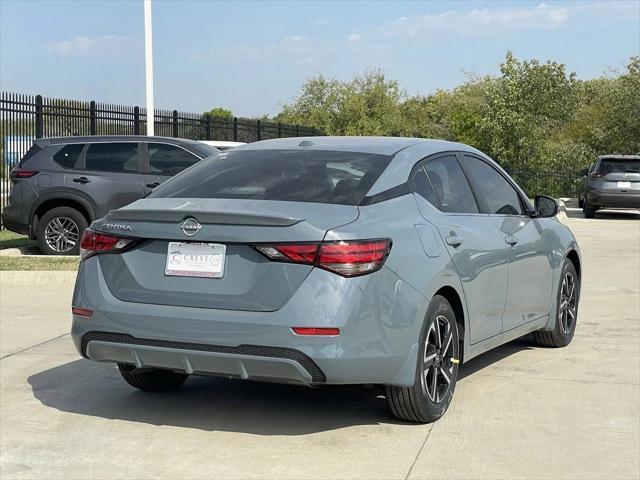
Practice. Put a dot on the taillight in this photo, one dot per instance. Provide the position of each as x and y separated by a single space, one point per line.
349 258
94 242
20 173
599 174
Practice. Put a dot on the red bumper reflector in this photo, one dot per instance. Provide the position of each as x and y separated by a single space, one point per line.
83 312
329 332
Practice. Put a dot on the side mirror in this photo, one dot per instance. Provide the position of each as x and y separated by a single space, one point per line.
584 172
545 207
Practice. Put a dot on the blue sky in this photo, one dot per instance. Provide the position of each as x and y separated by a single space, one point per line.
251 57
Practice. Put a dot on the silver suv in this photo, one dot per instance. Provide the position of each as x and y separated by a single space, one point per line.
62 184
612 181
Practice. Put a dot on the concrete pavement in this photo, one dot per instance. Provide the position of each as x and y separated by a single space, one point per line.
519 411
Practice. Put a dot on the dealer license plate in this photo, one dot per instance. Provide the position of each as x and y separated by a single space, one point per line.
187 259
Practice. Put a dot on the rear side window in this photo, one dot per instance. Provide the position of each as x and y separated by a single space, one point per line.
112 157
286 175
168 159
497 194
68 155
450 185
423 187
30 154
615 165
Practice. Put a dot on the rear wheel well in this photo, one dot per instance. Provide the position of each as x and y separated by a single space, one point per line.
573 256
453 298
54 203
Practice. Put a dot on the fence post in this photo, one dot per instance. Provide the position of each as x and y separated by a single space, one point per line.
235 129
136 120
175 123
258 128
208 128
279 130
92 117
39 115
297 130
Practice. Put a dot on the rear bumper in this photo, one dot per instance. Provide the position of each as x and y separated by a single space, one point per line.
613 200
249 362
379 317
12 224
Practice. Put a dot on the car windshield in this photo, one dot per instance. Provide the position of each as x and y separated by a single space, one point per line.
619 165
287 175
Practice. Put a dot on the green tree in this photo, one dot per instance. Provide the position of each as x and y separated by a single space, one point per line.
218 113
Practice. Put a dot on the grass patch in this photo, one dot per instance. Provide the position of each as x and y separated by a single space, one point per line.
38 263
10 239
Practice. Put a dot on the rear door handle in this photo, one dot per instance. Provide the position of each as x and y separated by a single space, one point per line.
153 185
511 240
81 180
454 240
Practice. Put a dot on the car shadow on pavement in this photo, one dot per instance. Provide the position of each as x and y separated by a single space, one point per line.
212 404
606 214
496 355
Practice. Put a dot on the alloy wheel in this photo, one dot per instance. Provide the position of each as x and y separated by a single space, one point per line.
568 303
61 234
438 365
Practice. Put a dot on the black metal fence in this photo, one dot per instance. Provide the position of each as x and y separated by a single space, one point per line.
24 118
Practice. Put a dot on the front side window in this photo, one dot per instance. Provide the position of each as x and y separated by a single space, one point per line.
492 188
450 185
286 175
168 159
112 157
69 155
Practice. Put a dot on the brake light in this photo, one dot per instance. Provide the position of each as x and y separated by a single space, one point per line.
349 258
20 173
94 242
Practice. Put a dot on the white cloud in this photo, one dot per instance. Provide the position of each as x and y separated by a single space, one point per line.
83 45
480 21
294 38
353 37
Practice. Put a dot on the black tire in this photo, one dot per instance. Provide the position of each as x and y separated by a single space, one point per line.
423 402
153 380
588 210
53 222
580 202
566 313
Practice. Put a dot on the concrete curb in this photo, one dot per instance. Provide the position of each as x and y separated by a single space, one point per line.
37 278
562 211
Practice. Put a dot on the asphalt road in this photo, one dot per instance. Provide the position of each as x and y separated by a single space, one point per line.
519 411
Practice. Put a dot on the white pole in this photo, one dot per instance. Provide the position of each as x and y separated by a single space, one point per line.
148 63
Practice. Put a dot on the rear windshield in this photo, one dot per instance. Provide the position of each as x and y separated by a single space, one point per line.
619 165
203 150
288 175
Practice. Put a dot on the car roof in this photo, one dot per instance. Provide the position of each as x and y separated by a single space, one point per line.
112 138
374 145
619 157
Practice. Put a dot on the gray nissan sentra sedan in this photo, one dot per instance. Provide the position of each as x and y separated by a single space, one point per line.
327 260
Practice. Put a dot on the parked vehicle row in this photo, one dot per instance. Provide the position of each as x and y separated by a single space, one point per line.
63 184
327 260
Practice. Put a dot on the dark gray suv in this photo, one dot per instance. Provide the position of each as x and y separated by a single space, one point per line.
612 181
62 184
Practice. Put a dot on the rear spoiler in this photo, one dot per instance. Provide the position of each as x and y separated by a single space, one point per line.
219 218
